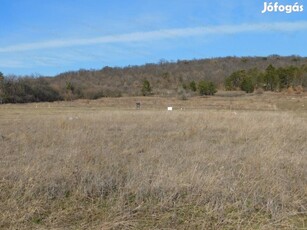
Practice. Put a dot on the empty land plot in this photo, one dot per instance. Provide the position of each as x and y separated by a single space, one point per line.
219 163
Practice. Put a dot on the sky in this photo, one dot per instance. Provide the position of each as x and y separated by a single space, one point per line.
49 37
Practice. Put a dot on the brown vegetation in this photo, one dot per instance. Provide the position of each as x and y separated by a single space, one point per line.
165 77
224 162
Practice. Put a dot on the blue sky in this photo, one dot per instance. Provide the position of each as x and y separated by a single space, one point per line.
49 37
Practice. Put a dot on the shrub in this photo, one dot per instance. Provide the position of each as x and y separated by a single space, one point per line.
206 88
97 95
247 85
182 95
234 81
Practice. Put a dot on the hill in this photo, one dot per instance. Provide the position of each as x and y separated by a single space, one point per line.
165 78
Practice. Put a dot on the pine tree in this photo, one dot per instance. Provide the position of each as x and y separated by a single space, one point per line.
146 89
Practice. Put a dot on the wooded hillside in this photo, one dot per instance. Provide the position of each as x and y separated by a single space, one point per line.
165 78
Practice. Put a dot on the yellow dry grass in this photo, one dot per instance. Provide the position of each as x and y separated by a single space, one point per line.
219 163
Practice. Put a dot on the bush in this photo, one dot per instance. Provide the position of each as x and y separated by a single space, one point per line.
45 93
182 95
247 85
24 90
96 95
112 93
234 81
206 88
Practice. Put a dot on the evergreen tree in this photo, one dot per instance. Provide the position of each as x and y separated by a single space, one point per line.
234 81
146 89
271 78
193 86
69 90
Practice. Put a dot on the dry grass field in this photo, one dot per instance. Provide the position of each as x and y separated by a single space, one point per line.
223 162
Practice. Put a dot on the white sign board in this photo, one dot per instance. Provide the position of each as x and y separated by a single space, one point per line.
170 108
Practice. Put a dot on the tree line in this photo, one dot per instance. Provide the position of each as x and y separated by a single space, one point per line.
181 78
25 90
272 79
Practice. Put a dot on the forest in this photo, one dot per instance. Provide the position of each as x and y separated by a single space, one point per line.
182 78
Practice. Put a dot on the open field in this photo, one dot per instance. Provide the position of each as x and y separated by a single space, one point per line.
223 162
